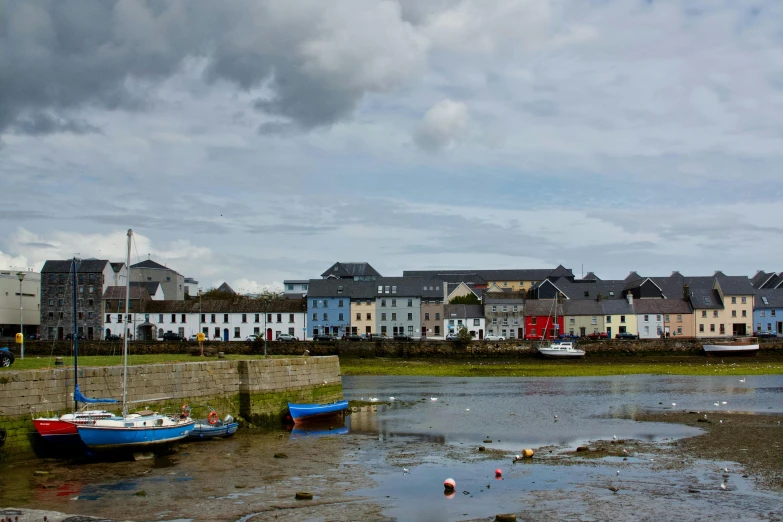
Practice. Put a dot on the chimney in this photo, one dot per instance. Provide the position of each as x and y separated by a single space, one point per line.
686 292
629 297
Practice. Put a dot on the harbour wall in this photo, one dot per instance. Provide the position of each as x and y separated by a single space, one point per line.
256 391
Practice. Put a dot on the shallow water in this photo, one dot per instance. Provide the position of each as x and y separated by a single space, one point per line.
236 479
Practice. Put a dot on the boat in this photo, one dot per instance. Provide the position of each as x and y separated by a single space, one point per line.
307 412
133 431
62 429
214 427
561 350
743 346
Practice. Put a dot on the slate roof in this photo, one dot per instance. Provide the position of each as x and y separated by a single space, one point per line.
85 266
462 311
151 286
117 266
590 290
662 306
542 307
239 304
479 276
406 287
760 278
590 276
226 289
774 298
735 285
702 298
118 292
346 270
632 277
617 307
504 298
583 307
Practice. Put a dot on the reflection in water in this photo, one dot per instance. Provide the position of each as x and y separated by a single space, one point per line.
315 429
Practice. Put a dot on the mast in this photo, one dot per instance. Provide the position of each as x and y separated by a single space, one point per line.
125 337
75 337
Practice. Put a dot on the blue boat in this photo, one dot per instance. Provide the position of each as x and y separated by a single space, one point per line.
134 431
306 412
216 428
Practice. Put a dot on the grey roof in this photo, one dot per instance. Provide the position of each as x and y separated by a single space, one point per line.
405 287
616 307
346 270
150 264
702 298
632 277
773 296
462 311
504 298
151 286
237 304
296 281
590 276
118 292
760 278
85 266
561 271
608 289
479 276
542 307
583 307
662 306
225 288
734 285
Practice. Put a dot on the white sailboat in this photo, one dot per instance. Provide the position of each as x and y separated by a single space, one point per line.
560 349
138 430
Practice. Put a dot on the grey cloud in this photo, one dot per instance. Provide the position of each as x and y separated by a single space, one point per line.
38 245
19 215
317 62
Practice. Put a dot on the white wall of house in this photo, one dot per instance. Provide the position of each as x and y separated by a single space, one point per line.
650 325
473 324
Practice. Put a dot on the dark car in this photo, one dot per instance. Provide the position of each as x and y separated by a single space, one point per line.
354 337
6 357
597 335
763 334
171 336
568 337
323 337
377 337
113 337
81 337
627 336
403 337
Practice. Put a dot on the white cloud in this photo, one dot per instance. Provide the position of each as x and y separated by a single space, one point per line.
442 125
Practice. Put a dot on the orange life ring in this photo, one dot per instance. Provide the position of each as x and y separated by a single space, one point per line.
212 418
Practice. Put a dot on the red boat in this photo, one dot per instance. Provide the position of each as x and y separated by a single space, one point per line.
64 427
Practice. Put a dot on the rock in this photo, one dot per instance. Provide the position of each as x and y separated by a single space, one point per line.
482 448
528 453
506 517
487 441
221 355
582 448
141 493
614 489
281 456
694 490
303 495
704 420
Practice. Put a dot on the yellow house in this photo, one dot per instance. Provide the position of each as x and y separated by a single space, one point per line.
583 317
725 309
363 316
619 316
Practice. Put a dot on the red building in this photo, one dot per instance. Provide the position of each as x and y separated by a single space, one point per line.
542 320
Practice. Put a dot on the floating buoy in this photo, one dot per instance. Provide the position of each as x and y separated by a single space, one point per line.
449 484
528 453
498 472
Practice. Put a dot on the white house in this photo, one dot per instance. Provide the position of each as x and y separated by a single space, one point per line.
226 320
455 316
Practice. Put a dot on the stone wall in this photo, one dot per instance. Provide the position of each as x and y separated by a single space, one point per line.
257 391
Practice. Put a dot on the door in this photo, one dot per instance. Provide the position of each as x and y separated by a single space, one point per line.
225 334
268 334
423 332
582 331
609 332
108 332
481 334
520 333
60 333
368 330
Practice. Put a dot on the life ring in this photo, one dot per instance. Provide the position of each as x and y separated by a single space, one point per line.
185 411
212 418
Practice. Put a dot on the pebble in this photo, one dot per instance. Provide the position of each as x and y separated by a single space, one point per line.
303 495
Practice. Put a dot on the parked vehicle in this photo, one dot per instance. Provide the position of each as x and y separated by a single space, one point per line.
628 336
452 337
597 335
113 337
6 357
254 337
378 337
354 337
286 337
81 337
324 337
403 337
492 337
764 334
171 336
568 337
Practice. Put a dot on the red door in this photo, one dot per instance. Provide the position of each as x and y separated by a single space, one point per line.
268 334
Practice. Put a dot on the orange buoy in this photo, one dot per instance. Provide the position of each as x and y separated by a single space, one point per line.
212 418
449 484
528 453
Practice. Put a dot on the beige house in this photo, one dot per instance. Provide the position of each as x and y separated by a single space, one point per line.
583 317
724 309
362 316
12 315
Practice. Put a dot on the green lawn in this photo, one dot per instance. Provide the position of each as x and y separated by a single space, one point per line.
37 363
548 368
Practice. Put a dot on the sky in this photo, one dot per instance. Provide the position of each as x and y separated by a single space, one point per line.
252 141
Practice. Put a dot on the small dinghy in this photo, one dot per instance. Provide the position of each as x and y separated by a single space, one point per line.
214 427
307 412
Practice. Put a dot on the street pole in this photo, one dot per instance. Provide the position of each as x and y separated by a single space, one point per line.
201 344
21 275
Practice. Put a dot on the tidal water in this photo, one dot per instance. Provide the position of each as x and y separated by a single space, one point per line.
432 427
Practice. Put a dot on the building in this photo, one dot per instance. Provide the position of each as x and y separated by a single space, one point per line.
768 311
191 287
94 276
153 288
432 310
542 320
12 315
504 314
619 316
353 271
329 306
667 317
173 283
398 303
582 317
470 317
295 288
114 320
225 319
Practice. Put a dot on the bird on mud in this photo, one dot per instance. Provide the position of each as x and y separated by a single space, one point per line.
723 487
404 471
433 398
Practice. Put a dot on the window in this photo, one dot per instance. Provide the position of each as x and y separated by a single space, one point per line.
476 322
160 318
734 313
289 287
290 318
184 318
533 320
225 318
505 283
340 303
216 335
108 317
608 319
383 302
571 320
744 313
358 316
326 317
494 320
394 316
383 329
119 317
387 289
410 317
257 318
168 278
769 327
339 317
90 302
369 317
494 308
714 313
722 329
437 316
712 328
426 316
733 300
763 314
679 318
516 308
244 318
646 318
622 318
394 289
437 329
279 318
92 278
315 317
315 303
173 318
451 322
80 315
269 317
211 318
704 313
236 332
772 313
410 303
51 302
60 303
594 320
383 316
380 289
666 318
91 289
394 302
744 300
61 315
340 289
701 328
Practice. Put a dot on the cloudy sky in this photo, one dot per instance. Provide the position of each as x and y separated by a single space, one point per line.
252 142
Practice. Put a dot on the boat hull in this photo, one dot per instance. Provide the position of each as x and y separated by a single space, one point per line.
99 438
205 430
55 429
561 354
743 350
308 412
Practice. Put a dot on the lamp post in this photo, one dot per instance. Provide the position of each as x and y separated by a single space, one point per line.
21 275
201 345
